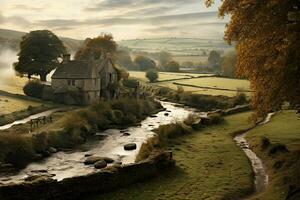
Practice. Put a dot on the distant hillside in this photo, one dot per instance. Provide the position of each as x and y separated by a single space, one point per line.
11 39
177 46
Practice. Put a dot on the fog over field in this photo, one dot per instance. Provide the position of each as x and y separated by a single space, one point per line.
7 58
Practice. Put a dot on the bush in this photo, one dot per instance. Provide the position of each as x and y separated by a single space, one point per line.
240 99
278 148
130 83
216 118
173 130
34 89
172 66
16 150
265 143
144 63
152 75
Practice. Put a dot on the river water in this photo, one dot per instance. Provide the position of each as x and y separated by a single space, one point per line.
69 164
261 178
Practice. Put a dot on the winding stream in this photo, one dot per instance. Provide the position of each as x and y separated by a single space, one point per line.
110 143
63 165
261 178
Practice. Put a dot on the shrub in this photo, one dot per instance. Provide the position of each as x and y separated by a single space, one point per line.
265 143
34 89
216 118
240 99
152 75
172 66
16 150
40 142
278 148
130 83
144 63
173 130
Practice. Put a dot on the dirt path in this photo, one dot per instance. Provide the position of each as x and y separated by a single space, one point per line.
27 119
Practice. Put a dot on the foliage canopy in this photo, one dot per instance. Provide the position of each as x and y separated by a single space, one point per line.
268 49
39 51
102 44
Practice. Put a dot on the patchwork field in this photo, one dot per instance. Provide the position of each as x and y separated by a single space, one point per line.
165 76
176 46
211 85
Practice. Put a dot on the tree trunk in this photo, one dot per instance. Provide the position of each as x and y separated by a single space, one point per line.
43 77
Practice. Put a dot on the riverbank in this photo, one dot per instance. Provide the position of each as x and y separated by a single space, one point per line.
209 166
16 107
277 143
71 129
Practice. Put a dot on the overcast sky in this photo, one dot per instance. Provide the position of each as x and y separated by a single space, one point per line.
125 19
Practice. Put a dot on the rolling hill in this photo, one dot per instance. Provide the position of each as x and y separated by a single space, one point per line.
11 39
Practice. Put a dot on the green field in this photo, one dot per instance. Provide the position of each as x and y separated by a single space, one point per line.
164 76
13 84
209 166
10 104
176 46
182 49
194 83
284 128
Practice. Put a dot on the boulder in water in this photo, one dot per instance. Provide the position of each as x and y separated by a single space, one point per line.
52 150
126 134
129 147
100 164
92 160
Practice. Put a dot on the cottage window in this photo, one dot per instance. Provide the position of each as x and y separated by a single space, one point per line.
73 82
110 78
69 82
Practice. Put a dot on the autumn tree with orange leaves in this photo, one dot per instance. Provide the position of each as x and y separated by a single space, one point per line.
266 33
102 44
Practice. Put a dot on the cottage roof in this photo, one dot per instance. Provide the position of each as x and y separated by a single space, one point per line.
73 69
79 69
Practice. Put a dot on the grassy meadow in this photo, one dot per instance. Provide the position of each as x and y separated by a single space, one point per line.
209 166
165 76
11 104
13 84
282 166
192 83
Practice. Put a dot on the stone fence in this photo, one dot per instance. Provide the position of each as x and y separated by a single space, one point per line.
101 181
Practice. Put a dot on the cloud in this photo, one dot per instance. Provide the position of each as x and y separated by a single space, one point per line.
15 20
117 21
26 7
134 8
133 4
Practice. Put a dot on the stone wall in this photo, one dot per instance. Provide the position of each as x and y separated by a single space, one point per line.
102 181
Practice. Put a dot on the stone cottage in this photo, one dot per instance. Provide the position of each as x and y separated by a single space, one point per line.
85 81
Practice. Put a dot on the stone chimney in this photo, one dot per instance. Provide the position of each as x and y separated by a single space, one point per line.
66 58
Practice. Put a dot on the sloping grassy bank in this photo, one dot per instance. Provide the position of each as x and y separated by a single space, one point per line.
209 166
200 101
18 115
72 129
277 143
